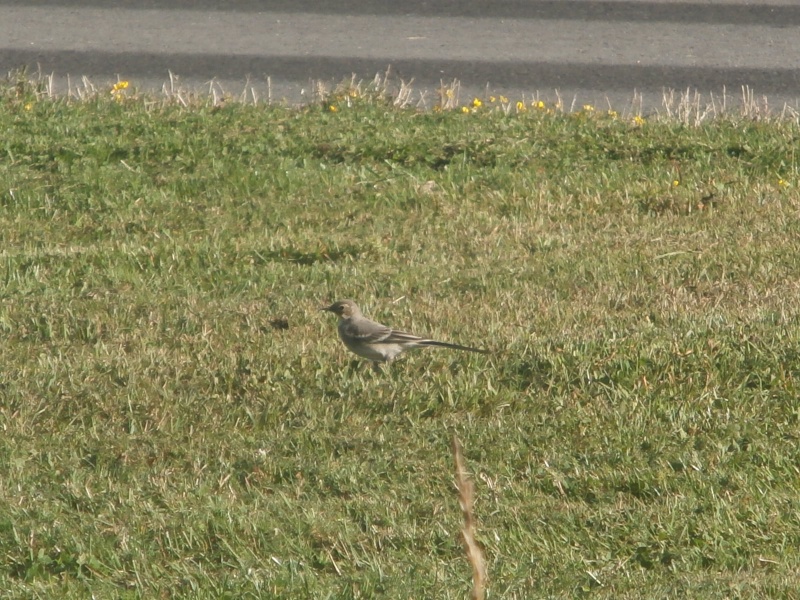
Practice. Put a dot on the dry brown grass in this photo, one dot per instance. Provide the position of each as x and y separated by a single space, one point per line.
466 497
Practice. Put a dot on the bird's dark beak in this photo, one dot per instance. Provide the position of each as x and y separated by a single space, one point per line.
326 308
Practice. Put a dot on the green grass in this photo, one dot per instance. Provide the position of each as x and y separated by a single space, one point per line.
633 435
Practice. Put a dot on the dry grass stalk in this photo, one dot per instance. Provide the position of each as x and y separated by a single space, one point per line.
466 495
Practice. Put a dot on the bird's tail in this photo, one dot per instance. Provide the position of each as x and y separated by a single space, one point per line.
452 346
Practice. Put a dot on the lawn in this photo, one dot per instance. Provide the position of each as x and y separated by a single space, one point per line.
180 420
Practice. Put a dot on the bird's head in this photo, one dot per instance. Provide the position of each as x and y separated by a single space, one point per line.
344 309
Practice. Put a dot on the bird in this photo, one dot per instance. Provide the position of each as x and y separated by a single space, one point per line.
376 342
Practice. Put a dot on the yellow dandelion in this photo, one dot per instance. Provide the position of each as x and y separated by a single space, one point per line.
29 106
676 182
588 108
448 93
437 108
492 99
119 86
465 109
539 105
333 108
782 183
638 120
476 102
521 106
503 99
612 114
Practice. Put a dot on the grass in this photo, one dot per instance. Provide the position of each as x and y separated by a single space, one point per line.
179 420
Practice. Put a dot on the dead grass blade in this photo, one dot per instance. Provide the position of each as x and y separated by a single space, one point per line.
466 495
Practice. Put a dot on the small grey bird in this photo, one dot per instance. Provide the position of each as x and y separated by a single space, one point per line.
377 342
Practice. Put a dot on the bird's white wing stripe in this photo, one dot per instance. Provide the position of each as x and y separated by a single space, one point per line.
372 334
401 337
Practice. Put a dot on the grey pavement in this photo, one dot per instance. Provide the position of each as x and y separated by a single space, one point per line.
583 51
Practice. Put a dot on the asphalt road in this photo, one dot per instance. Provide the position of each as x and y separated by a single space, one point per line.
585 51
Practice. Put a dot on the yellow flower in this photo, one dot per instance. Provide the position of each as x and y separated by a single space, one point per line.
503 99
117 89
676 182
588 108
782 183
612 114
448 93
476 102
29 106
521 106
465 109
492 99
333 108
539 105
638 120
